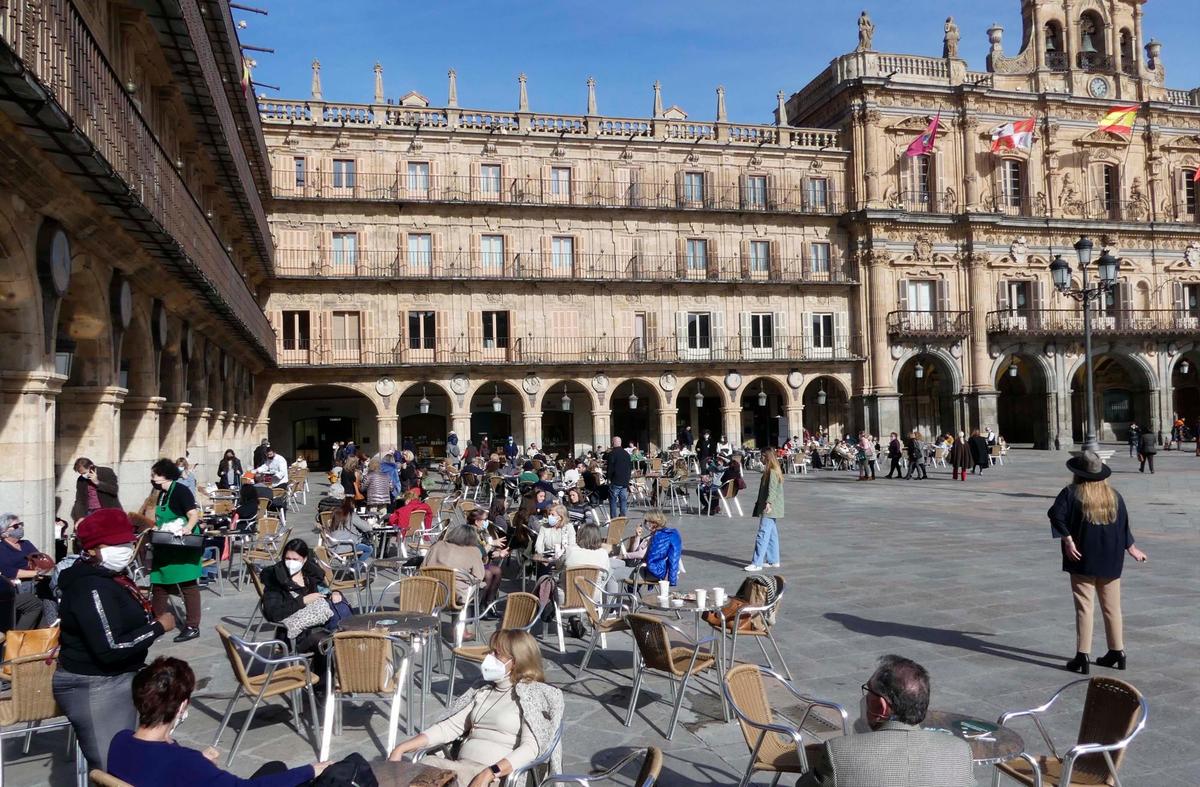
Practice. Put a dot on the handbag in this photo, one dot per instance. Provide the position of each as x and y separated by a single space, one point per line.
39 561
353 771
307 617
29 642
730 611
164 538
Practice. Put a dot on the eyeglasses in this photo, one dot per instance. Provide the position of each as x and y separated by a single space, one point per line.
866 689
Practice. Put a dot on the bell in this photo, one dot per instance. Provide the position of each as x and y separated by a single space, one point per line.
1087 47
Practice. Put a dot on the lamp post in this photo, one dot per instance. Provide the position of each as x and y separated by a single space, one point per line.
1060 272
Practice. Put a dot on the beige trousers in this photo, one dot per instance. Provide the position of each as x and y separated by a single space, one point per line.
1084 589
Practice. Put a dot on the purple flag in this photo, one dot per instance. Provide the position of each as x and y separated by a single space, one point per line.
924 143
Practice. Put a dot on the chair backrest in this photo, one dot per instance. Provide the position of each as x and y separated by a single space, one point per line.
235 658
616 531
326 519
574 590
653 641
321 553
102 779
222 506
471 479
656 465
262 505
278 493
416 519
729 489
520 609
422 595
651 768
467 506
32 695
363 662
748 696
435 503
256 581
995 450
267 525
446 576
1111 711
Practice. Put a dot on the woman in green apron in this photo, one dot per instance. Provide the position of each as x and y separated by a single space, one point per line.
175 569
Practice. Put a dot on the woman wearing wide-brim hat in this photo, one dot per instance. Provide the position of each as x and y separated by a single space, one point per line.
1090 518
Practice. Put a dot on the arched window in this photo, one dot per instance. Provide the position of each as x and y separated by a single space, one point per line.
1128 58
1056 58
1091 41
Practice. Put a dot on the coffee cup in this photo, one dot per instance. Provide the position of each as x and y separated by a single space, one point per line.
664 589
719 597
701 599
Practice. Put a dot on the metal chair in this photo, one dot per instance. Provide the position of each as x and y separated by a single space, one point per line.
29 701
1114 713
362 666
647 776
521 611
760 628
605 616
282 676
680 663
458 609
256 582
573 603
344 573
776 744
616 532
519 776
728 494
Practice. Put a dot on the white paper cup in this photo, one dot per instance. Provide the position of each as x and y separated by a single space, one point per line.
701 599
719 597
664 588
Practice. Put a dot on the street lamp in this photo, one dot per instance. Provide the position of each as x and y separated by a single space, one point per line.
632 397
1060 271
821 393
497 403
423 405
762 395
566 400
919 371
699 397
1184 366
64 355
1012 367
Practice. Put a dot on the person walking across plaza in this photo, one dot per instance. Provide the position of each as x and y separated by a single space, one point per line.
620 471
960 457
175 569
1135 438
980 452
1147 448
916 457
1090 520
769 509
894 452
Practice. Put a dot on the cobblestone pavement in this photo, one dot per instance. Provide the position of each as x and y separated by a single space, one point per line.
961 576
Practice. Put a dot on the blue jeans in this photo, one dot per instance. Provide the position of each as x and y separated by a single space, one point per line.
618 498
766 543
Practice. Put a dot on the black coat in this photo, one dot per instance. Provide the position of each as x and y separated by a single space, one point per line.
223 469
281 596
979 450
620 467
1149 443
105 630
894 449
1102 546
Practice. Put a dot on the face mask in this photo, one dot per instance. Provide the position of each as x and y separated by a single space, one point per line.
293 566
493 669
553 519
116 558
861 724
180 719
17 533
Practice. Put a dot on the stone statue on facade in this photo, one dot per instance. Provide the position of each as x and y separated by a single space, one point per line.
950 42
866 31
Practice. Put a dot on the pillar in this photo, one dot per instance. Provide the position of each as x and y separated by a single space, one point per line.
981 296
460 424
216 433
531 431
887 412
140 438
731 423
389 432
986 409
666 426
198 421
795 420
1054 438
173 420
602 427
29 487
88 424
880 297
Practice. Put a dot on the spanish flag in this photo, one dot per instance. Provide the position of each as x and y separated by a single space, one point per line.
1120 120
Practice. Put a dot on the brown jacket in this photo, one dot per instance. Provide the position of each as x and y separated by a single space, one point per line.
106 490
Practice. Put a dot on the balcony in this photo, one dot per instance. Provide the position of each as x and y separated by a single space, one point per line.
1114 322
536 192
1095 61
551 351
928 326
534 266
926 202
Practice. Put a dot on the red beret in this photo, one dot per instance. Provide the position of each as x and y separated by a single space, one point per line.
110 526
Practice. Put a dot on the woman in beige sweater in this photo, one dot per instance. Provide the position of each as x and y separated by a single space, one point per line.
459 549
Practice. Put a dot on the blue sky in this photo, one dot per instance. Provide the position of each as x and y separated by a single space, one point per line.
753 48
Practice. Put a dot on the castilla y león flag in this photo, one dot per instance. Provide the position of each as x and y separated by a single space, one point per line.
1017 135
924 143
1120 120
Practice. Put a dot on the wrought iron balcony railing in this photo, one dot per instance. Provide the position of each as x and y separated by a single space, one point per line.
1069 322
929 325
377 264
529 350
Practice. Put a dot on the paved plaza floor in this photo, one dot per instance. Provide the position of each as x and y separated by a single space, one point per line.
961 576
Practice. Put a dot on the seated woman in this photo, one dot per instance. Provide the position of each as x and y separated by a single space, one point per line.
149 755
377 485
578 510
413 503
593 482
459 549
588 551
659 550
508 721
291 585
553 539
348 532
34 604
493 546
247 509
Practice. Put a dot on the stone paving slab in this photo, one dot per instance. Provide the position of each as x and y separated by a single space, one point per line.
961 576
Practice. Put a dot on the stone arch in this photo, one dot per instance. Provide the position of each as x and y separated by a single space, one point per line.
22 327
504 423
427 432
279 390
951 363
710 383
138 355
1136 360
1044 365
306 418
929 382
642 425
832 415
765 424
552 387
569 432
1025 408
1124 393
86 320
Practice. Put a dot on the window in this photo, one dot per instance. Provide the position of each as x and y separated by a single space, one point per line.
922 296
422 330
295 331
345 327
1012 184
817 194
1189 191
298 163
418 177
820 258
1019 297
495 330
760 256
562 253
491 252
420 250
489 179
693 187
921 171
762 331
345 248
343 173
697 254
822 331
560 182
1110 185
699 328
1191 299
756 192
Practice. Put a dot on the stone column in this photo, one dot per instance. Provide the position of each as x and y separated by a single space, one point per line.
198 423
173 416
140 436
971 176
389 432
460 424
666 426
531 431
887 410
216 432
987 409
731 423
795 419
89 424
602 427
1054 438
880 298
980 297
29 487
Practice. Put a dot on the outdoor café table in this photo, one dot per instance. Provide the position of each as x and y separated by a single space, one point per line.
999 744
683 604
408 626
404 773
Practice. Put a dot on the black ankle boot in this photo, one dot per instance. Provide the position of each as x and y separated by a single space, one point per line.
1080 664
1114 659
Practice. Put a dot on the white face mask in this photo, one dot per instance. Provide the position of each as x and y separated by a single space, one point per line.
293 566
180 719
116 558
863 723
493 669
553 520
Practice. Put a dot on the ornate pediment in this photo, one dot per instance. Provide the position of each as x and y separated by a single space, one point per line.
1189 143
675 112
413 99
1188 261
1102 138
912 123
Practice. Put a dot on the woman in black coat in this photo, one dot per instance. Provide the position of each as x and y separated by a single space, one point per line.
289 586
229 470
980 452
1092 523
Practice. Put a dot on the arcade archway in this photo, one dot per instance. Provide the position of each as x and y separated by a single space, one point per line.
926 386
1122 397
566 419
309 420
635 413
1021 405
496 410
826 407
764 421
1185 389
699 406
424 413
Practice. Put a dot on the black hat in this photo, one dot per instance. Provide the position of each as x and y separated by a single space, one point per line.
1089 466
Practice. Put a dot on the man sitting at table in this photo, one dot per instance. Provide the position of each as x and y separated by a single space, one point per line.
897 752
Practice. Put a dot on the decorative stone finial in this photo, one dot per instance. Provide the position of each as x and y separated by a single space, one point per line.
866 32
591 104
658 110
721 118
523 101
780 109
316 79
378 82
452 97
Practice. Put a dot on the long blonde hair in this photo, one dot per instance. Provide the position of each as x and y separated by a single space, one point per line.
1098 501
771 464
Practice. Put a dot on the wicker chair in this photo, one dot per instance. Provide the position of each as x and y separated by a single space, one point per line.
572 590
256 582
1114 713
521 611
282 676
776 744
761 628
362 666
29 700
102 779
519 776
616 532
266 550
728 494
679 662
222 506
605 616
344 573
647 776
457 609
421 595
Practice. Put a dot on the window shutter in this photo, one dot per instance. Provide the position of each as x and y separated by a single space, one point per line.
1125 303
771 182
744 190
943 295
474 334
512 342
779 335
710 188
441 335
713 261
276 319
1002 296
680 191
324 340
805 260
908 185
438 252
745 258
475 255
718 333
681 333
681 270
1039 301
938 184
745 331
510 256
651 328
807 331
545 263
774 256
1177 295
902 294
841 337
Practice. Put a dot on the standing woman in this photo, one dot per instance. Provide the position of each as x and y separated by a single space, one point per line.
229 471
175 568
107 628
1090 519
960 457
768 509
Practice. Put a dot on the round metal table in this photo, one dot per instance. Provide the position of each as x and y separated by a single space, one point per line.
1000 744
399 623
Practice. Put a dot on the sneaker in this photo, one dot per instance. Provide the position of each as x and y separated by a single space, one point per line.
187 633
770 565
752 567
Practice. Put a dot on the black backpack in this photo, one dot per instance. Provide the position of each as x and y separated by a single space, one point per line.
351 771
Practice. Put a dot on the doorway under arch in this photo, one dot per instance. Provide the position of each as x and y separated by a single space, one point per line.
636 413
764 421
424 414
1122 397
702 412
1185 389
926 387
307 422
826 407
566 420
496 423
1021 405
